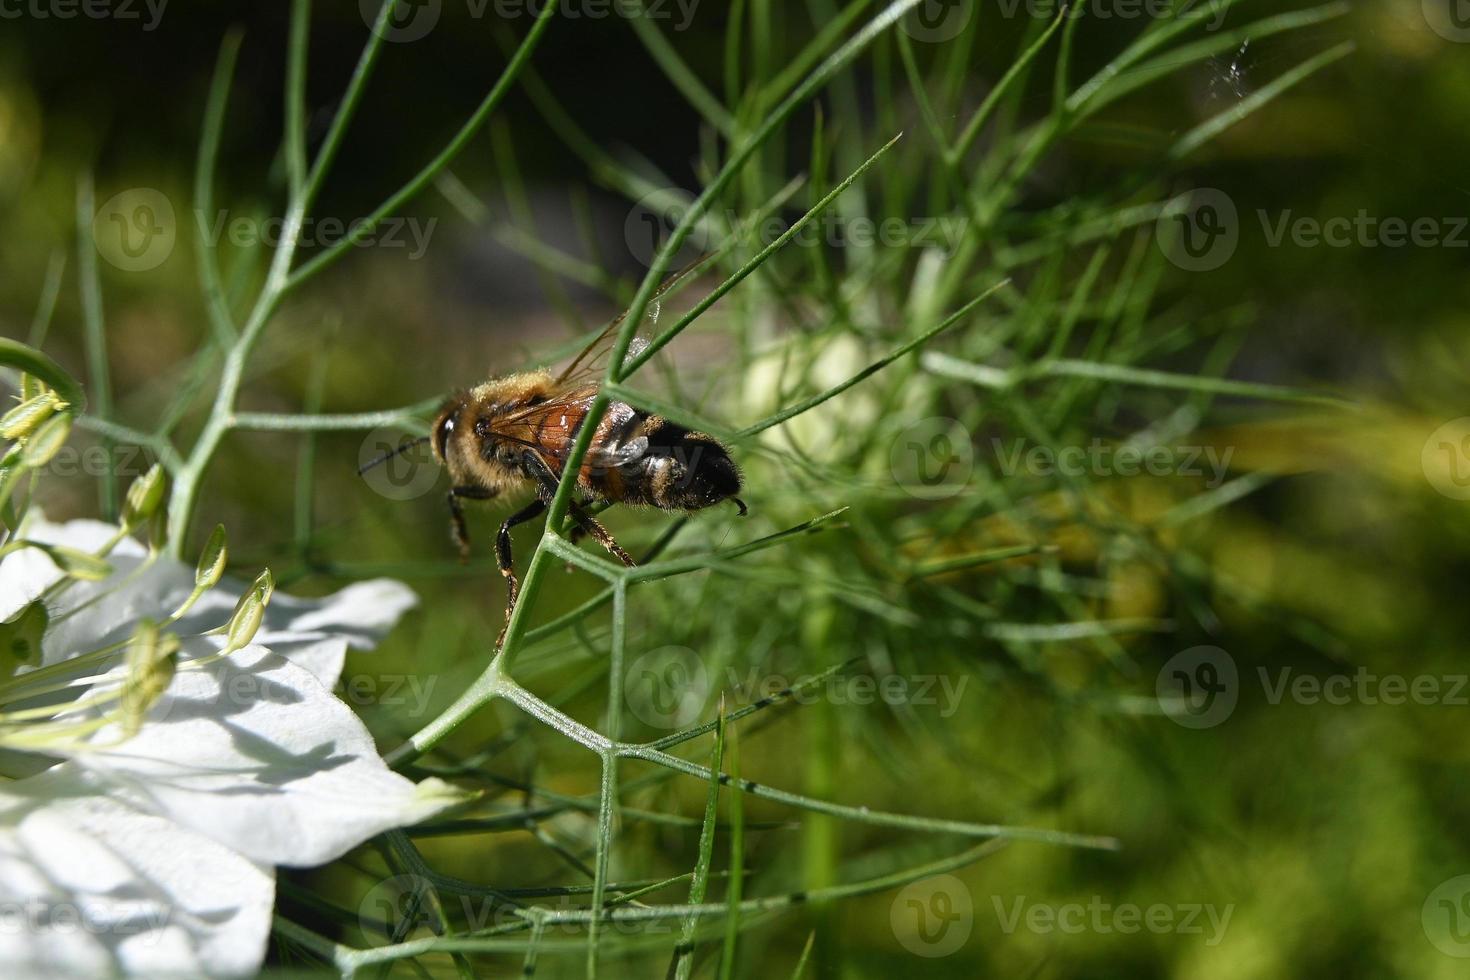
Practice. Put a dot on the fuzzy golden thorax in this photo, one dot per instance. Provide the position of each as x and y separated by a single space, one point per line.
461 436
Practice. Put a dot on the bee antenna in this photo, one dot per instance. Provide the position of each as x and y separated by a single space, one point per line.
389 455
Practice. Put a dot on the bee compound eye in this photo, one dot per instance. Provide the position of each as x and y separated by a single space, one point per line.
446 428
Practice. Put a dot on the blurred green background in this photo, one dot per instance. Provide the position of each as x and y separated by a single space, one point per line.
1338 548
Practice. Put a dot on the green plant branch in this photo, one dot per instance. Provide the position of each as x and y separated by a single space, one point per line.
280 278
446 156
349 962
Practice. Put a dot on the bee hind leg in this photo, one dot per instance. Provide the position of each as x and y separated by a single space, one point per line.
575 534
504 560
456 516
585 521
589 524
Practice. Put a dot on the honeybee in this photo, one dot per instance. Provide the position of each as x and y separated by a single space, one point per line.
513 434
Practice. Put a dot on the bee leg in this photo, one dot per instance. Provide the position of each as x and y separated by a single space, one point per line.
600 534
456 516
585 521
576 534
503 559
741 504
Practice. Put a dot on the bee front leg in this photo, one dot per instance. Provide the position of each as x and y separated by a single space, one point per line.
503 558
456 516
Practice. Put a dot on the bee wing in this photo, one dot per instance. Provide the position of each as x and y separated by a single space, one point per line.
548 427
592 361
551 427
615 456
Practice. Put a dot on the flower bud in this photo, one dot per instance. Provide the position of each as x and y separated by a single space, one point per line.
144 496
44 442
77 564
23 419
151 662
249 612
212 560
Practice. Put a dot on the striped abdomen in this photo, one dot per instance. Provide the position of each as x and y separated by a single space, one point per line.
638 458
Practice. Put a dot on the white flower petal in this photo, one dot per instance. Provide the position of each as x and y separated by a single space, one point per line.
90 614
312 633
92 885
152 855
254 752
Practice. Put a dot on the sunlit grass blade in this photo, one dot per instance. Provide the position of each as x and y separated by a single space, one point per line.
99 377
683 962
206 253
